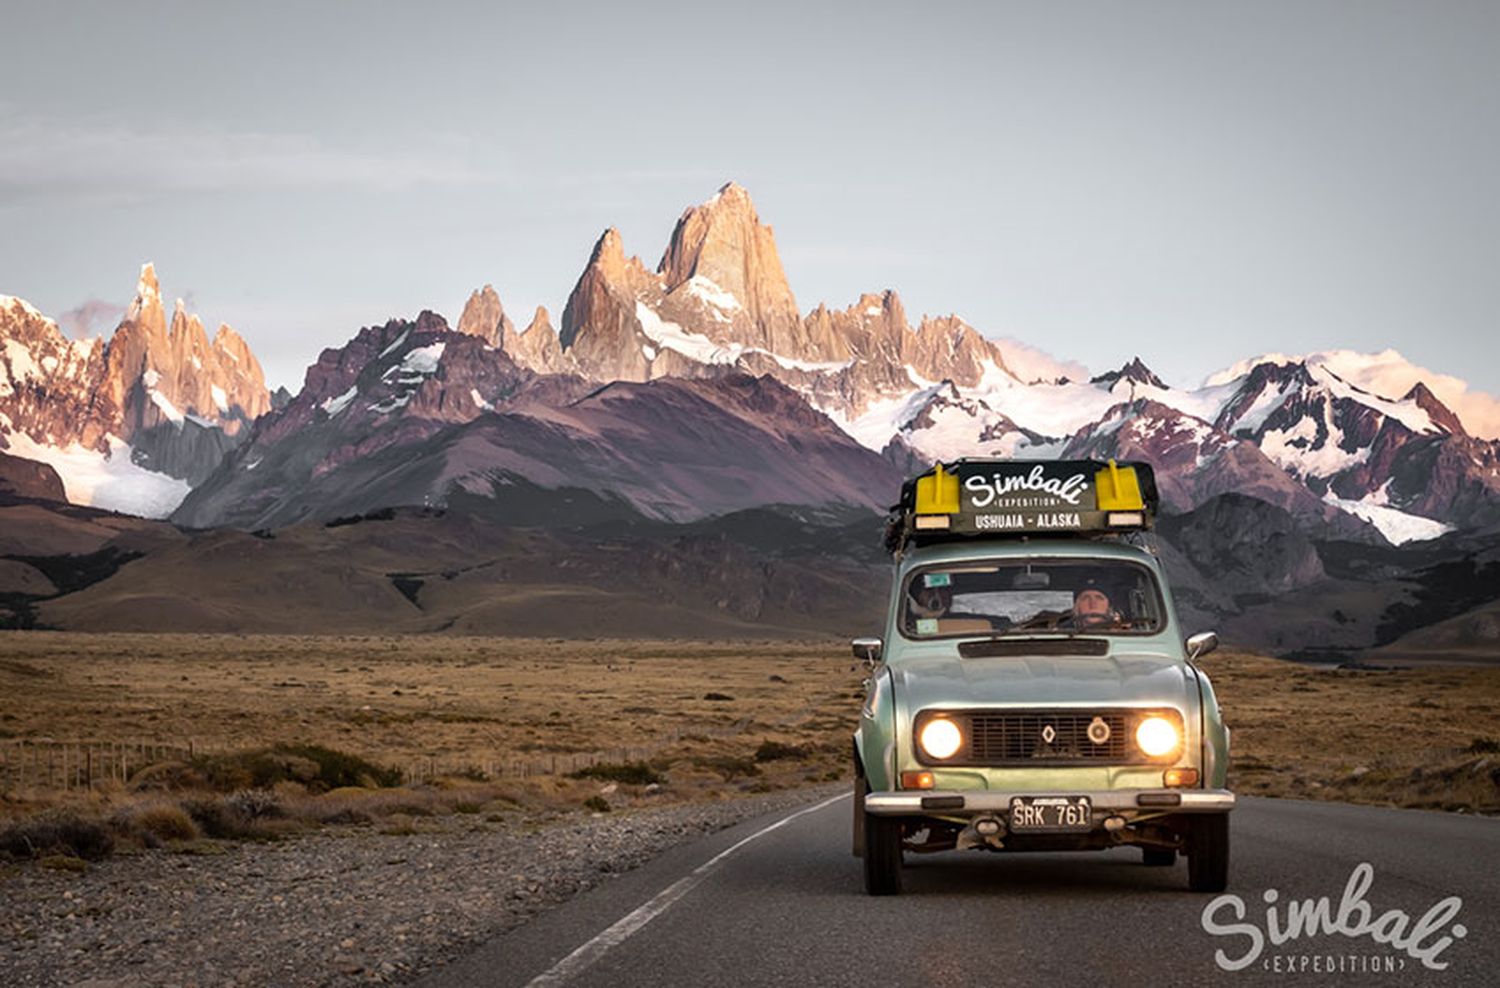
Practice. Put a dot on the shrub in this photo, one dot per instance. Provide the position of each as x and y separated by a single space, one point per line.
58 833
311 765
167 775
165 822
772 751
218 818
597 804
254 804
213 818
339 768
64 862
399 825
630 773
256 769
1484 746
728 766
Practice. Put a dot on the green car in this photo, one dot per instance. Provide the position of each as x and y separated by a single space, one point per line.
1033 690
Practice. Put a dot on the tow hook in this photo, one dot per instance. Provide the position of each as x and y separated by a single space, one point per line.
983 831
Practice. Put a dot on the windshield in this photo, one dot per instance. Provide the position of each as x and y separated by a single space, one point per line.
1070 596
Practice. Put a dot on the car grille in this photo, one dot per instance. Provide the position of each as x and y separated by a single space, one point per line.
1023 737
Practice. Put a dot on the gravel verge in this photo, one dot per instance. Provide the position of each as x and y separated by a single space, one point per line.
340 907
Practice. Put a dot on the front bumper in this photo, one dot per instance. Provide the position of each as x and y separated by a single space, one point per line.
967 802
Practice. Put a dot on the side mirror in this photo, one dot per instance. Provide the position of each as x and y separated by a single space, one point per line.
1201 644
867 650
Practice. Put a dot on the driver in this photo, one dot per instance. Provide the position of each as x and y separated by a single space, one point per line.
1092 608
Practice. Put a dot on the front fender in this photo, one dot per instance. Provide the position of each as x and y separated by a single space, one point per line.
875 738
1215 737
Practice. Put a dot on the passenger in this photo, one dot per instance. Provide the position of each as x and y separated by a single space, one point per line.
931 602
930 612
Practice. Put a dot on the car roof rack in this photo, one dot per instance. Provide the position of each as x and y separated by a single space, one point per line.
989 498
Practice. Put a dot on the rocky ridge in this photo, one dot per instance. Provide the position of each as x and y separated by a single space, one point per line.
718 306
156 397
719 301
413 413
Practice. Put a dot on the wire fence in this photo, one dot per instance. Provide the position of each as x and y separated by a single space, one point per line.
49 765
52 765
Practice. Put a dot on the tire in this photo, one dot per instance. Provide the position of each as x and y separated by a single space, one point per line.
861 786
1208 852
882 855
1158 857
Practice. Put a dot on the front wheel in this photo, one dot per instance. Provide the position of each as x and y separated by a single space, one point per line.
860 788
1208 852
882 855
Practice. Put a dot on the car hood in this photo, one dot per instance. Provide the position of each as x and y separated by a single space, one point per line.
1125 678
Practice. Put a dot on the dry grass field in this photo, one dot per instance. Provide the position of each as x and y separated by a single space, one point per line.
482 706
512 718
1424 736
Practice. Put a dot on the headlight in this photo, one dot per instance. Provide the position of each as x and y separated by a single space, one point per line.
940 738
1156 736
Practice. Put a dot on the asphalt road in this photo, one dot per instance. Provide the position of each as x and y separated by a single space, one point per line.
787 907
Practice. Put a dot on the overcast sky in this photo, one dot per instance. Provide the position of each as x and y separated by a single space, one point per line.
1194 182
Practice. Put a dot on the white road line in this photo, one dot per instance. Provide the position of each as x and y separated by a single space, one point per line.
633 921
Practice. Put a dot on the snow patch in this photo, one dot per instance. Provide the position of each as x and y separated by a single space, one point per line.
337 404
479 400
1398 527
168 409
220 398
649 351
423 359
151 378
708 291
671 336
1293 450
18 355
811 366
884 419
396 345
390 404
1262 408
110 481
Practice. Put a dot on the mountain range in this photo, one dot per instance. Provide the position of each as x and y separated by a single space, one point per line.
700 389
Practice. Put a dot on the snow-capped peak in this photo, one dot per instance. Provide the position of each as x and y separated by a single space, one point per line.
1388 375
147 287
12 302
730 188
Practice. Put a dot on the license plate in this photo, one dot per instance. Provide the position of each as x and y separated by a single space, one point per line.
1050 814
